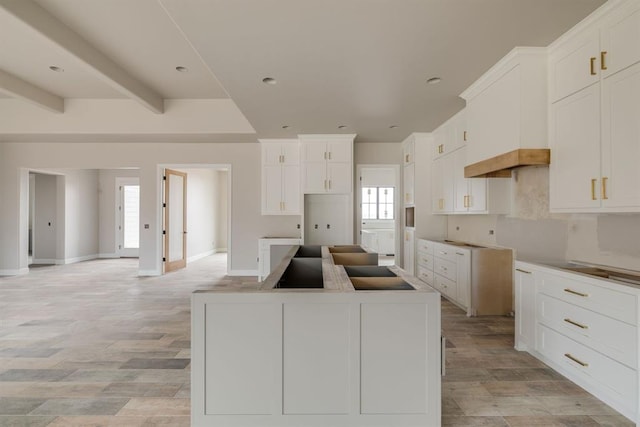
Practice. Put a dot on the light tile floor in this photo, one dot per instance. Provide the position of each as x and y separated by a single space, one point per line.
92 344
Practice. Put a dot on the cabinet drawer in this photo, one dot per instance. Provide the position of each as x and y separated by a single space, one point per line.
574 358
445 268
425 246
616 304
441 250
425 260
425 275
446 286
615 339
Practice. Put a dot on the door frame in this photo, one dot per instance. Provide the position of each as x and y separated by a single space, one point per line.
120 249
159 213
182 262
396 202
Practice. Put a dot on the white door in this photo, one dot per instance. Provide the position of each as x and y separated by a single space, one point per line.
409 184
291 189
339 178
409 250
460 183
128 217
271 189
315 177
175 217
339 151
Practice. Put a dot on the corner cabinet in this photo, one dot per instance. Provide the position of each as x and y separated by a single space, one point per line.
327 164
594 80
280 177
584 327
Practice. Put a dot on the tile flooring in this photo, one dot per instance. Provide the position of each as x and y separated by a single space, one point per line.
91 344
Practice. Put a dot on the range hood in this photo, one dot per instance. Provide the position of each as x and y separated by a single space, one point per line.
501 166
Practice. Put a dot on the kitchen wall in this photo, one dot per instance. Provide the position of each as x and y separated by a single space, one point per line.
81 215
537 234
222 213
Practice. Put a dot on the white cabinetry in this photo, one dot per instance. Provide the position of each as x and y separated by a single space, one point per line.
594 80
409 184
409 250
327 163
584 327
280 177
506 107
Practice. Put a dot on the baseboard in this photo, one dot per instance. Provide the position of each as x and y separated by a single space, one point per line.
113 255
18 272
220 250
142 273
79 259
242 273
200 256
46 261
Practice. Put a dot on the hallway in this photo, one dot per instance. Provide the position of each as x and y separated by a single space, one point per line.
93 344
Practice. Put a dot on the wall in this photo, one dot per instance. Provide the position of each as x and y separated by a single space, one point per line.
202 216
45 219
107 202
537 234
81 215
244 159
222 225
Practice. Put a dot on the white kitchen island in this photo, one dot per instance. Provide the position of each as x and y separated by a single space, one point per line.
333 356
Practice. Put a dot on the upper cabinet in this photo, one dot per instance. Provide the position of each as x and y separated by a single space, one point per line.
327 163
452 193
594 133
280 176
408 151
507 109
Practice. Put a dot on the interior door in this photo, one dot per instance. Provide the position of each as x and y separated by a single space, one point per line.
175 220
128 217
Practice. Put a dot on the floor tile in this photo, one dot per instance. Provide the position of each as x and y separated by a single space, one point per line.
35 374
152 406
25 421
552 421
70 406
156 364
18 405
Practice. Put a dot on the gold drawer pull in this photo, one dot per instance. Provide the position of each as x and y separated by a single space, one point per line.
603 57
578 361
571 291
579 325
593 189
592 65
523 271
604 188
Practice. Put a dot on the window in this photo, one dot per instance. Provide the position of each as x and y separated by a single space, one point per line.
131 216
377 202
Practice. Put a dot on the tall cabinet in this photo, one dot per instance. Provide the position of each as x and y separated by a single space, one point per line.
280 177
594 81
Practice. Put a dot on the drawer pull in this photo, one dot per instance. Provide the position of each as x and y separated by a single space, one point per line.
578 361
458 253
524 271
571 291
579 325
443 252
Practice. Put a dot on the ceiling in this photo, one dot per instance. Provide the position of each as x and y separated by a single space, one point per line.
362 64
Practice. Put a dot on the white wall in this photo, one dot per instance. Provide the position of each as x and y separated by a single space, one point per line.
107 202
45 226
222 225
201 212
248 224
81 215
536 234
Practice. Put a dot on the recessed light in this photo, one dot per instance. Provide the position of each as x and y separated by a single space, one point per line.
286 127
56 69
342 126
269 81
182 69
434 80
393 127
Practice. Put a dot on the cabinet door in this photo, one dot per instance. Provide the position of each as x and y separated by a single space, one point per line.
339 178
525 309
314 175
570 66
575 151
463 277
271 153
439 141
291 189
339 151
291 153
271 189
314 152
409 184
408 150
447 183
460 183
620 186
477 200
620 42
409 250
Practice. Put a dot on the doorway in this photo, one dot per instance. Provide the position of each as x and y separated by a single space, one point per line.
378 210
175 220
128 216
45 219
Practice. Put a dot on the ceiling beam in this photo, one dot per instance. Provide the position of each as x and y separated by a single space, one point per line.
18 88
37 18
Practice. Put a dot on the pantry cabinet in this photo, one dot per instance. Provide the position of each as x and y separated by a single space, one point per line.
327 163
280 177
594 76
409 250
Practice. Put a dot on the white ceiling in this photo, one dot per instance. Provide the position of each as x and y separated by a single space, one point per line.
359 63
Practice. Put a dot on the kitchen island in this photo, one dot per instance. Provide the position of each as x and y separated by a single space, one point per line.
360 348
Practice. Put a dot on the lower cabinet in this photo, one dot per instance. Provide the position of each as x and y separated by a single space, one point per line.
585 328
409 250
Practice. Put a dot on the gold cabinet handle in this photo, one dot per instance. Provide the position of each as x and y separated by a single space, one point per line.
329 182
571 291
406 158
603 58
329 155
464 136
325 184
578 361
523 271
574 323
593 189
604 188
592 65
